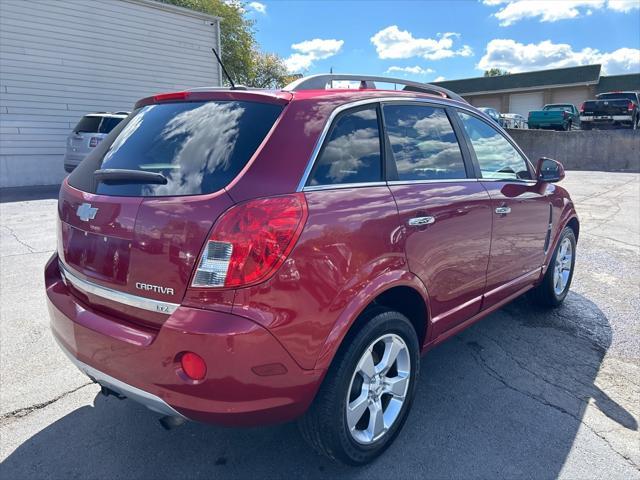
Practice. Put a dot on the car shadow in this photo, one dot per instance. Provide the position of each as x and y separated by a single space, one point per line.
23 194
504 399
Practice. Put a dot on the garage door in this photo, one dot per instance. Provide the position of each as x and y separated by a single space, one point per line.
523 103
573 96
490 102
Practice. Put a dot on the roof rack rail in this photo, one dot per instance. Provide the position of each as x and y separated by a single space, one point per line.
320 82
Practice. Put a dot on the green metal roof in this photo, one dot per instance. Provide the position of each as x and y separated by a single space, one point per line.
612 83
587 74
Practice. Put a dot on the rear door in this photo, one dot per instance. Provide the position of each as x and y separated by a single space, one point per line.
521 210
445 212
142 238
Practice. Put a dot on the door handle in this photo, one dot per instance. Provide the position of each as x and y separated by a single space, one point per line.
421 221
503 210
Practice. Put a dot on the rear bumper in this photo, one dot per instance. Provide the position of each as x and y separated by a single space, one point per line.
152 402
604 119
251 379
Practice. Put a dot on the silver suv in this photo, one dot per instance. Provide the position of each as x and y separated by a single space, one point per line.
87 134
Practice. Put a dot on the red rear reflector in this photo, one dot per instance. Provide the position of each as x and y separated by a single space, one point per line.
167 97
250 241
193 365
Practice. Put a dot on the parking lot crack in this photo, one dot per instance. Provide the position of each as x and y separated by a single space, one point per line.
17 239
25 411
482 363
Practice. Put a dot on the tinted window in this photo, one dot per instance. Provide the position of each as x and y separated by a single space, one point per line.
351 153
423 143
88 124
108 124
614 96
198 146
496 156
555 108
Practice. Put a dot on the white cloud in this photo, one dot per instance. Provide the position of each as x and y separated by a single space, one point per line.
517 57
511 11
258 7
392 42
311 50
417 70
439 79
624 6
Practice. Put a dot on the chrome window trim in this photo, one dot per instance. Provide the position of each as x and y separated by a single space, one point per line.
315 188
443 180
379 100
115 295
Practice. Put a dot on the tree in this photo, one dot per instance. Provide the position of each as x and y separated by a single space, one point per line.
495 72
241 55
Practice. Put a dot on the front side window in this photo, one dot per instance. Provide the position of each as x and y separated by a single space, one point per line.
423 142
498 159
351 153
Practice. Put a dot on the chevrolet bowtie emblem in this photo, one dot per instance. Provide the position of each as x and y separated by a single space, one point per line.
86 212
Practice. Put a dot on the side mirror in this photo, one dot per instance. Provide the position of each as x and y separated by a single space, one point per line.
549 171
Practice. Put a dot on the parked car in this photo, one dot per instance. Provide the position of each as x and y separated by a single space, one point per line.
612 109
87 134
246 257
512 120
492 113
555 116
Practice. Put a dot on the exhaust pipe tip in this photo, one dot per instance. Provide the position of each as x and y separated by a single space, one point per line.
169 423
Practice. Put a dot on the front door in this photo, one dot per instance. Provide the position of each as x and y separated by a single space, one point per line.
520 210
445 214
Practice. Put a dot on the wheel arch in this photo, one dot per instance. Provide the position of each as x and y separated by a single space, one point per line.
403 292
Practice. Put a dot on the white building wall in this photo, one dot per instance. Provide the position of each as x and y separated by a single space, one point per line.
62 59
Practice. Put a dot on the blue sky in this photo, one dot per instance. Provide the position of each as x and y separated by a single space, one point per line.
449 39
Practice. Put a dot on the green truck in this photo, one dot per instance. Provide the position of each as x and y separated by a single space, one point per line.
556 116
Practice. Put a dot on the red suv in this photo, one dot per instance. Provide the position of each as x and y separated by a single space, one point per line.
247 257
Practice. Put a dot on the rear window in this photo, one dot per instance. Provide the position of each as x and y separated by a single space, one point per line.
556 108
617 96
97 124
198 146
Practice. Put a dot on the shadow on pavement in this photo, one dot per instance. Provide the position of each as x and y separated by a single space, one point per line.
23 194
502 400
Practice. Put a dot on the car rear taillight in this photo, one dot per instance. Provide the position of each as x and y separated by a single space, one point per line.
582 108
250 241
565 114
94 141
630 106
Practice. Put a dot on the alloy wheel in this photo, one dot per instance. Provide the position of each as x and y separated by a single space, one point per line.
378 388
563 265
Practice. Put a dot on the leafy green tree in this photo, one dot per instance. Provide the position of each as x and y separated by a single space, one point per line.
495 72
241 55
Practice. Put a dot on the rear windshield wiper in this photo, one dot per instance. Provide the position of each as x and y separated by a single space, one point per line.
117 175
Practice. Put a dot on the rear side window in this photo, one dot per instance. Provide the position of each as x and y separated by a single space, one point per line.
498 159
198 146
423 142
351 153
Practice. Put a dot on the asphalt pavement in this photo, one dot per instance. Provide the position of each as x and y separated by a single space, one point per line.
522 394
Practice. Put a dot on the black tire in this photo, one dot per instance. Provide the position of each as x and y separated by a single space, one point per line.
324 426
544 294
568 128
